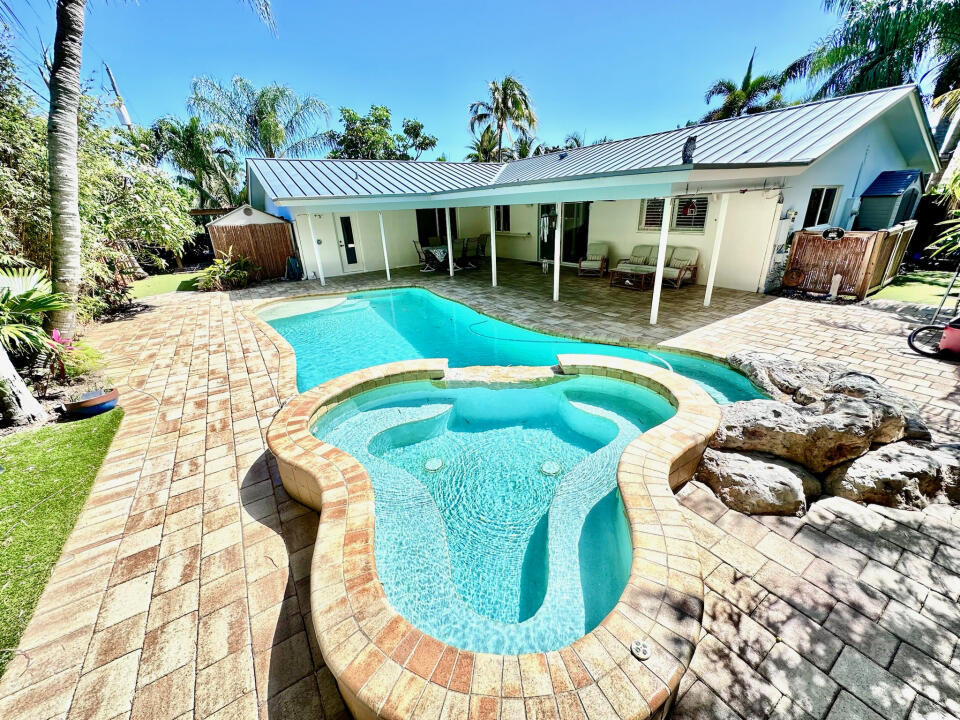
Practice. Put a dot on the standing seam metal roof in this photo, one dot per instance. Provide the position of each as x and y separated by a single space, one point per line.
891 182
793 135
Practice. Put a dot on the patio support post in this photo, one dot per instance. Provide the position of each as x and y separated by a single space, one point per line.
715 255
493 246
383 241
661 258
449 243
557 237
316 249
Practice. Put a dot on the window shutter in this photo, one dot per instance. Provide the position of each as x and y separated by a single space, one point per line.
652 214
690 213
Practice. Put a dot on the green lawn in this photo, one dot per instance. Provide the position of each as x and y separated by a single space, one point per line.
45 477
159 284
921 286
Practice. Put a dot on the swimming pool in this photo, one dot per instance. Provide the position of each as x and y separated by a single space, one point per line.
332 336
499 524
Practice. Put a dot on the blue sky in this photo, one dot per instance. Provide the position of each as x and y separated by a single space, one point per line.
603 68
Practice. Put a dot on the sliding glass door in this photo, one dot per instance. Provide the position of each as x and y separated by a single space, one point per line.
576 223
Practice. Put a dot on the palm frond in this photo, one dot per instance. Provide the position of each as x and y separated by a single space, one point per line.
19 280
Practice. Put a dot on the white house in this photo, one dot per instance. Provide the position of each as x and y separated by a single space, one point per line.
733 189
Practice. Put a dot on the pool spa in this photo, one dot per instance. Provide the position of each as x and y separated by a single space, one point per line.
499 524
492 535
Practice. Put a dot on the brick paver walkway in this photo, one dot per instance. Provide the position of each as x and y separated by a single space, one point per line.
183 590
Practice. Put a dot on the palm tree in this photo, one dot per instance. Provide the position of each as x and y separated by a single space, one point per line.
199 151
578 139
483 148
881 44
526 145
508 106
752 95
272 121
65 92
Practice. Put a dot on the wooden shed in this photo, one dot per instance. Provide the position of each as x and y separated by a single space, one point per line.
265 239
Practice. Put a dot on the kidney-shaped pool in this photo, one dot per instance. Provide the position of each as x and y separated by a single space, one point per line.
499 523
334 335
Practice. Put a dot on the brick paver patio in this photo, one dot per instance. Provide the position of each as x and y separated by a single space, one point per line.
183 590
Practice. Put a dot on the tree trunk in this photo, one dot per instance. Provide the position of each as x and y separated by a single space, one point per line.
17 405
62 159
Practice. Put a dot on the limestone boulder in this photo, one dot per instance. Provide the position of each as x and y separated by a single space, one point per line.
901 475
817 437
782 378
823 384
757 484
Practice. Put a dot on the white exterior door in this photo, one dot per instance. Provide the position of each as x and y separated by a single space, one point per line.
348 239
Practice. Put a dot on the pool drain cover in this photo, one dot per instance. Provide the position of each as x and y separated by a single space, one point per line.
433 464
550 467
640 650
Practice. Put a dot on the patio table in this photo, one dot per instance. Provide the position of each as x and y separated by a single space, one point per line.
631 279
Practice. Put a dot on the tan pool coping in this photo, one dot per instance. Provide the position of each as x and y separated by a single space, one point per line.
387 668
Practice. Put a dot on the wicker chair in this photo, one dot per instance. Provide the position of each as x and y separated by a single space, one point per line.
595 261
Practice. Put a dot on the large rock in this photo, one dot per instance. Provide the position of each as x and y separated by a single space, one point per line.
822 385
817 437
902 475
757 484
782 378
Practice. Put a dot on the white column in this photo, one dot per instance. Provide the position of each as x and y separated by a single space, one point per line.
557 238
715 255
383 241
661 258
449 243
316 249
493 246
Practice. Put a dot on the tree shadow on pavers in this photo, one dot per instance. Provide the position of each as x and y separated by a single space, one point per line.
291 676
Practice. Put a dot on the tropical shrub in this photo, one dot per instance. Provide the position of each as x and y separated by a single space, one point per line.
226 273
129 207
25 297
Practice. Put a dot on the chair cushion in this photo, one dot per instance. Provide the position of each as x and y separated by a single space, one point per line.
591 264
596 250
593 258
684 256
671 273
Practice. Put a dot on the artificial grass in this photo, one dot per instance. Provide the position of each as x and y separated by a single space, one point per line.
159 284
921 286
45 477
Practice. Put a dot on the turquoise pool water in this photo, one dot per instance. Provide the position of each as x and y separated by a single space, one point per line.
370 328
499 525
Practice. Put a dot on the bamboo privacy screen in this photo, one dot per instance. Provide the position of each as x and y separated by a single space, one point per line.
865 260
268 246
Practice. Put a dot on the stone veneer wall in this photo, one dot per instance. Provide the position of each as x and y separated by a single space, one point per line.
386 668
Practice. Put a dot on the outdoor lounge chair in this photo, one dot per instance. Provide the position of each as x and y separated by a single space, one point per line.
679 264
595 261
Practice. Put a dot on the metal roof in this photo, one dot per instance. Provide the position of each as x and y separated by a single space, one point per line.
891 182
354 178
795 135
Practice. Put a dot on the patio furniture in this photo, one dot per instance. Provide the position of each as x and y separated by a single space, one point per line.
680 263
631 279
595 261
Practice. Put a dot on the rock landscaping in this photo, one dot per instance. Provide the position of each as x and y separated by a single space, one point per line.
826 429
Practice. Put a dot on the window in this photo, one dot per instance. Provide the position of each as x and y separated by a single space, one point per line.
502 215
689 213
820 206
651 214
433 223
